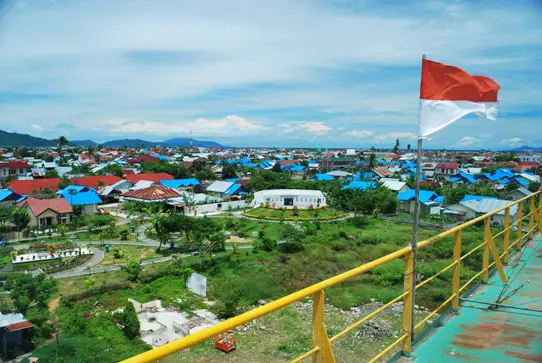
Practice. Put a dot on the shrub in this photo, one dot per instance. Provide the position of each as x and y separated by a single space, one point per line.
130 322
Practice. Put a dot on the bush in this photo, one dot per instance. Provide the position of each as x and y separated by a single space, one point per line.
290 247
130 322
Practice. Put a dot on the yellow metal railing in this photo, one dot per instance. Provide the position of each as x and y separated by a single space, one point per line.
321 345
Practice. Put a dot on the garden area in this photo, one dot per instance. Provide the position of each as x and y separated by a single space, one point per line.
295 214
283 258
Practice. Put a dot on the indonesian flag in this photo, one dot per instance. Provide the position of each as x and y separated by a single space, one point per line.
449 93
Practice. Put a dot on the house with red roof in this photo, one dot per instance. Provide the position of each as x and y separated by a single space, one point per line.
34 186
47 212
154 193
14 168
85 158
95 181
154 177
443 171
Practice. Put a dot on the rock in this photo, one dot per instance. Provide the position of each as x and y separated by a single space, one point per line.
375 329
262 302
263 327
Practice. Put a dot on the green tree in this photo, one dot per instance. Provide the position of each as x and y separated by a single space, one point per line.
396 147
277 168
533 186
26 290
372 160
62 142
130 322
133 269
20 218
229 171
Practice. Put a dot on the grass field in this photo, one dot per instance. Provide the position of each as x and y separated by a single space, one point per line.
294 215
251 276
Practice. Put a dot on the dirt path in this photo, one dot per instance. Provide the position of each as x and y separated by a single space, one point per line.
53 305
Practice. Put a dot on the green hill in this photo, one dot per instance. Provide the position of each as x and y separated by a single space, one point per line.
15 139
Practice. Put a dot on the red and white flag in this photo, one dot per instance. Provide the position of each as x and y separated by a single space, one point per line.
449 93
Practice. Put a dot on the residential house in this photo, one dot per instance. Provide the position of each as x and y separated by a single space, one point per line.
154 177
428 201
225 189
361 185
47 212
397 186
9 197
15 168
181 184
34 186
339 174
333 163
518 194
462 178
152 194
83 197
112 193
12 335
445 171
95 181
473 207
322 177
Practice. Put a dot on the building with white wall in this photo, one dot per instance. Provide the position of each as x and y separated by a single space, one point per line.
290 198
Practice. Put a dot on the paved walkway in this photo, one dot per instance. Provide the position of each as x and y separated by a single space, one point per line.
96 259
496 323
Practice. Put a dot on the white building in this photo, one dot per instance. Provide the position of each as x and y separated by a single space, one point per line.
290 198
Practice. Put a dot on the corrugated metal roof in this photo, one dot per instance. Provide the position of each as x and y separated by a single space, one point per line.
219 186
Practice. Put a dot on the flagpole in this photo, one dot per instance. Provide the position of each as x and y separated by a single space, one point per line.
416 225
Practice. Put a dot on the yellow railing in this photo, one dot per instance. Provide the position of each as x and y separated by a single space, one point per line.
321 344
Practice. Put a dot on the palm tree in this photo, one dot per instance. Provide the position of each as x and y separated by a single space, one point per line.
408 147
372 159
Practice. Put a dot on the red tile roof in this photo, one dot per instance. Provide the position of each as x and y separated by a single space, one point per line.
38 206
14 164
155 177
20 325
155 192
26 187
92 181
287 162
448 166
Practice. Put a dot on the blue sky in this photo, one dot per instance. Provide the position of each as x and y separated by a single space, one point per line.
335 73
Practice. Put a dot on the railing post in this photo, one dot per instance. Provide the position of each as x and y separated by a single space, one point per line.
519 233
485 257
408 312
538 215
506 243
319 333
456 280
532 211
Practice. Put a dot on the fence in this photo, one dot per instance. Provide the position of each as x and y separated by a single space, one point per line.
321 346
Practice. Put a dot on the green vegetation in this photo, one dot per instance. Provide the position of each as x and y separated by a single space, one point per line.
283 214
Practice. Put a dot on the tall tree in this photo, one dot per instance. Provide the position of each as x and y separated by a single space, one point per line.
408 147
27 290
396 147
62 142
372 159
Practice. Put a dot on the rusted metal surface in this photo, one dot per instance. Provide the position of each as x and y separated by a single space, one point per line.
483 332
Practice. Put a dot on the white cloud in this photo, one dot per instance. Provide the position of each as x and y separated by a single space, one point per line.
36 128
467 141
512 141
358 133
395 135
310 127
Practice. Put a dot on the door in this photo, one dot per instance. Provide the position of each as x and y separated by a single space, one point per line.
288 201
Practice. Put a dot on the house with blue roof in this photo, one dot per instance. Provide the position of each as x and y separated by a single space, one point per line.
322 177
181 184
225 189
474 197
428 200
522 182
462 178
8 197
80 196
360 185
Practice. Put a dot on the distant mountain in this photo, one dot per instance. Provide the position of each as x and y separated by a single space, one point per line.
526 148
84 143
15 139
131 143
185 142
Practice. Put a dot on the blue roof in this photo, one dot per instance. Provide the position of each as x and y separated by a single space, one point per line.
322 177
475 197
233 189
4 193
522 182
177 183
463 176
77 188
233 180
360 185
439 199
159 157
83 198
425 195
298 168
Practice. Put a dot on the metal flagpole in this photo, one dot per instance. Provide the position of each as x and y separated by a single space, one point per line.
416 225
